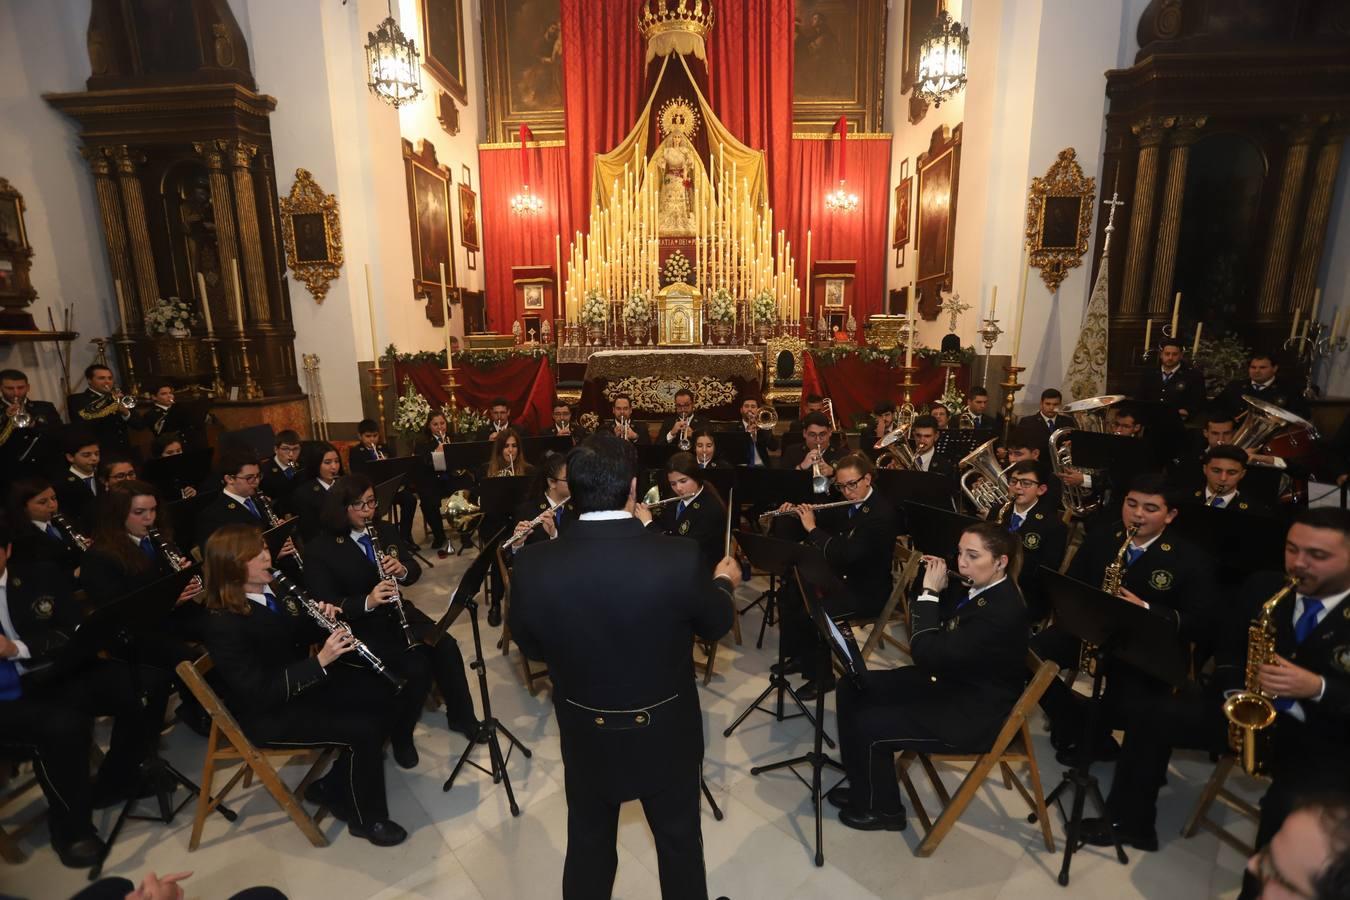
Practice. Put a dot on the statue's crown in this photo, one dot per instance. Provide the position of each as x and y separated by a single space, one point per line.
663 16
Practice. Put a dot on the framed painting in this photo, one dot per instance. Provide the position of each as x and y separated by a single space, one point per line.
468 217
428 185
311 233
522 61
939 169
919 18
1059 218
834 293
839 65
443 44
903 192
534 296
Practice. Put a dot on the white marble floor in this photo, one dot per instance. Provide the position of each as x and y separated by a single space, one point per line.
465 845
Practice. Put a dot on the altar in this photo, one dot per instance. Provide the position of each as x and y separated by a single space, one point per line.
719 377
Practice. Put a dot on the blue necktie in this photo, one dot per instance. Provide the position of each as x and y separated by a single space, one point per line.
290 473
1167 376
147 548
853 510
249 505
1302 628
1217 503
964 600
1132 554
89 483
9 676
53 533
557 515
679 509
369 547
271 601
1016 522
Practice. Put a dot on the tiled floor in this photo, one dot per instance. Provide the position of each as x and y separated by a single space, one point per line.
465 844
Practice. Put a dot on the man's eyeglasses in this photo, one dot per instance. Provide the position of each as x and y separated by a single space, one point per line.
849 485
363 504
1024 483
1266 873
249 479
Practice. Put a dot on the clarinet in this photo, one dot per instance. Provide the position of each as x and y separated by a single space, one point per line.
81 542
289 588
177 561
273 520
398 595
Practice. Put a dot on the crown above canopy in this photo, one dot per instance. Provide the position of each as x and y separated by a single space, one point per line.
675 26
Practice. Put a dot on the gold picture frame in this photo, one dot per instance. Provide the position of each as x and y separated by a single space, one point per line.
522 65
839 64
429 212
1059 218
443 43
311 231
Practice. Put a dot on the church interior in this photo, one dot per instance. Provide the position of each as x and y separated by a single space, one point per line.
362 228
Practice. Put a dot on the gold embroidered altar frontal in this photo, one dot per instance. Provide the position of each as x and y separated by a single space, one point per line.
715 363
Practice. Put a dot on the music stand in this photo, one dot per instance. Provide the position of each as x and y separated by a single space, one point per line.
935 531
171 473
733 445
118 625
534 447
763 489
1120 631
815 581
955 444
260 440
722 479
185 513
777 557
929 488
1240 542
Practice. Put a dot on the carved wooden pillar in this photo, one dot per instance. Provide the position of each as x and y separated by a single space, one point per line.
138 238
1315 221
274 255
114 229
253 274
227 239
1149 133
1286 220
1169 216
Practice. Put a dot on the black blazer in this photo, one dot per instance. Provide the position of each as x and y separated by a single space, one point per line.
530 509
487 432
1036 433
262 659
74 498
1281 393
277 486
360 453
100 414
792 456
1044 539
704 522
617 643
974 660
644 435
859 549
1184 390
991 422
307 503
1238 501
575 429
44 616
696 423
941 465
223 510
17 445
105 579
337 571
717 462
32 547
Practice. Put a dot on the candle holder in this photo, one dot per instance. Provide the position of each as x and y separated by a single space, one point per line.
447 382
989 333
126 343
907 412
1010 388
217 383
377 387
1308 348
251 391
100 351
1149 352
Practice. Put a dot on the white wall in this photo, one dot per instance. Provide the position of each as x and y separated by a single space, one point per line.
1333 373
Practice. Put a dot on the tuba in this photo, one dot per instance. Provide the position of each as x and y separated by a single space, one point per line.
896 443
1088 415
991 490
1263 421
1249 711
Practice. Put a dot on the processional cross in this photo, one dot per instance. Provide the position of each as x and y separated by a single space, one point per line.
952 306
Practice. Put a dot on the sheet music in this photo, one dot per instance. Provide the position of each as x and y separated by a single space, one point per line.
438 459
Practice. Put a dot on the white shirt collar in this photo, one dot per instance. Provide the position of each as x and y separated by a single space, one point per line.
1148 543
358 535
975 592
260 599
1171 371
865 498
280 465
687 500
135 540
78 474
240 500
163 407
605 515
1328 605
326 485
1227 498
1264 384
40 526
1024 512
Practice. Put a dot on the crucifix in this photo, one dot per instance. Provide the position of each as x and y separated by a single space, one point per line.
952 306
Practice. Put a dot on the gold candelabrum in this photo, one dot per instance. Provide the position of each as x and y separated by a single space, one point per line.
217 382
1010 388
377 387
250 389
128 362
448 382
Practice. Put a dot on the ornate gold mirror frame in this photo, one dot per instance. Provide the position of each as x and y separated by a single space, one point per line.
312 233
1059 218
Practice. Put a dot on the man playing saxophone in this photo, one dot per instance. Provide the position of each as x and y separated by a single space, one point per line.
1306 678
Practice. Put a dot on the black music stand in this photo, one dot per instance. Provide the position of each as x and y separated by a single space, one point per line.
534 447
185 513
116 626
276 538
260 440
936 531
777 557
1121 632
1240 542
815 582
762 489
171 473
928 488
957 443
733 445
722 479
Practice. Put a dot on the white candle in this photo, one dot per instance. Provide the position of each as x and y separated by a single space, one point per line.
1317 301
121 306
993 302
370 307
1195 348
445 305
1176 313
1148 334
206 304
909 322
1336 325
1293 328
1021 308
238 294
1304 334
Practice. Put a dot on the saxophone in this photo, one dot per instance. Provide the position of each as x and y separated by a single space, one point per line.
1249 711
1111 582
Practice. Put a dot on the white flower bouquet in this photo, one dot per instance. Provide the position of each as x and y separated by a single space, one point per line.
763 309
637 310
722 309
593 310
413 410
168 316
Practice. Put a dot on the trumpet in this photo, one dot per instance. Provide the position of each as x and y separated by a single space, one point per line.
273 520
126 401
621 426
289 588
519 540
398 595
176 560
21 417
820 483
683 425
81 542
829 408
775 513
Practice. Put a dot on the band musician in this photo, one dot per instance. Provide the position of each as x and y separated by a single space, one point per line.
1173 382
700 515
1224 467
977 404
622 426
548 494
19 446
564 424
815 453
686 420
99 408
1035 430
499 419
1036 521
705 451
77 487
623 674
762 440
923 434
369 449
280 473
238 502
1263 382
33 511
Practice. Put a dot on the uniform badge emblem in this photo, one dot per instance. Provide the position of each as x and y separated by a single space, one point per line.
391 551
1161 580
1242 504
341 539
951 623
981 602
1340 658
291 607
43 607
1031 541
231 505
1167 547
1040 515
684 527
694 505
865 508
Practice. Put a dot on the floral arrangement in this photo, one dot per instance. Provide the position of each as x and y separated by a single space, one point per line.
464 419
763 309
872 353
637 309
169 315
593 311
677 268
1222 359
722 309
476 359
413 410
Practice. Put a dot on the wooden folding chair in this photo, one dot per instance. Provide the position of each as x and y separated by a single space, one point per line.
227 743
1215 790
1013 744
531 675
905 570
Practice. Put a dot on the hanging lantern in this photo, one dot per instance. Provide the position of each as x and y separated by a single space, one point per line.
525 203
392 62
942 60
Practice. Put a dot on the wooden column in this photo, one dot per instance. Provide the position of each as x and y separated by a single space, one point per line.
251 262
114 229
1314 237
227 239
1169 216
146 293
1283 227
1149 133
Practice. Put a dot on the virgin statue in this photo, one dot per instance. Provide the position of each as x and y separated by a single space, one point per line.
675 163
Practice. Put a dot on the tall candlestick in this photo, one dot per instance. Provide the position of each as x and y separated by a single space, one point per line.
122 306
1148 334
206 304
1021 307
445 309
807 283
1293 328
1317 301
1336 325
1176 313
1195 348
239 294
993 302
370 307
909 325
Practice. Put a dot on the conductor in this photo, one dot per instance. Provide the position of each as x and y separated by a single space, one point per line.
613 609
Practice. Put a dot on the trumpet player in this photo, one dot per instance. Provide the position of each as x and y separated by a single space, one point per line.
281 471
679 429
23 423
762 440
1037 523
365 576
815 453
102 408
1307 679
621 425
78 486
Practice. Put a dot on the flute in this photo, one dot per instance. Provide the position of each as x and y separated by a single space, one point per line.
816 506
291 589
519 540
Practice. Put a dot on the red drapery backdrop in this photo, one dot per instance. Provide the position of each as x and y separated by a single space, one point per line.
527 384
750 81
859 235
855 385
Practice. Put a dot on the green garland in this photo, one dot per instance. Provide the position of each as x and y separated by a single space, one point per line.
872 353
477 359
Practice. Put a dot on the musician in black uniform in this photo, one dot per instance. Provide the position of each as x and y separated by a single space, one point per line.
623 676
283 696
1035 430
980 416
322 466
813 403
341 568
434 480
369 449
685 420
499 419
281 471
36 520
113 469
1263 382
1038 524
548 494
622 426
507 457
700 515
923 434
1018 449
78 485
705 451
969 647
564 425
155 417
48 703
238 502
1174 382
858 541
1224 468
762 440
1310 681
1187 472
1164 573
23 450
815 453
173 444
99 409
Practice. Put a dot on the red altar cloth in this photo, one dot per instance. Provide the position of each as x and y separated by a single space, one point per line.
854 385
527 384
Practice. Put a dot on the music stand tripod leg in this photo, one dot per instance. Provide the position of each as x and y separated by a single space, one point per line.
707 793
